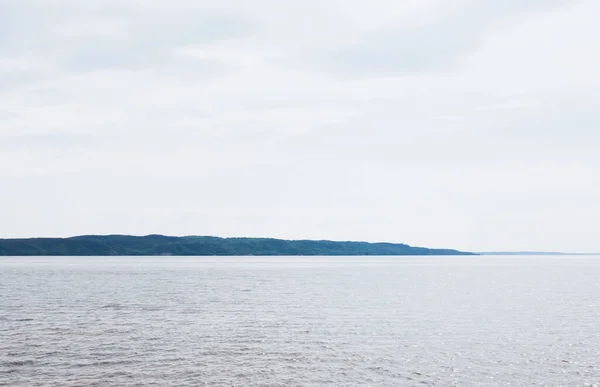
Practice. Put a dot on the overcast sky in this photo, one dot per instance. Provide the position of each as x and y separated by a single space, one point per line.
469 124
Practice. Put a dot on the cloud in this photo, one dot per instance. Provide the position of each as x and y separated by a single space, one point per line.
435 44
54 140
117 35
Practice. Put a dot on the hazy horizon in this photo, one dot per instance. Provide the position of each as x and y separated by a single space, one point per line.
492 252
469 125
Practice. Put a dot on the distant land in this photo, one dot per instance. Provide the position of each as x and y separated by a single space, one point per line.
110 245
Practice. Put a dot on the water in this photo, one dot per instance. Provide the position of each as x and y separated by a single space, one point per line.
300 321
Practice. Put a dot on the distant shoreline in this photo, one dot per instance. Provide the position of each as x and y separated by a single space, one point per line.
532 253
161 245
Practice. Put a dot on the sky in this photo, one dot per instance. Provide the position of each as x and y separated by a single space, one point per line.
467 124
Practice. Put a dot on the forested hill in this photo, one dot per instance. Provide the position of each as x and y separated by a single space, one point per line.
202 245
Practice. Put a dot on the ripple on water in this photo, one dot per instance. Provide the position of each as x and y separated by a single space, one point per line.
449 321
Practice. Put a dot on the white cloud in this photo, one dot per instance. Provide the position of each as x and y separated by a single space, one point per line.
463 124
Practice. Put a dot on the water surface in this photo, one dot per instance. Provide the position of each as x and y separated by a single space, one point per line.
299 321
